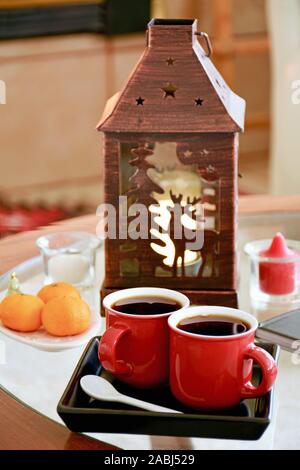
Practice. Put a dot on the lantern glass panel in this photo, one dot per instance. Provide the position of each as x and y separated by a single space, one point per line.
155 177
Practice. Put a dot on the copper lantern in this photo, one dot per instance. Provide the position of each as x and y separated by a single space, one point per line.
171 137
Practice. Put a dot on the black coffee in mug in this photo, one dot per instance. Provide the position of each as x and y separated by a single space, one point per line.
213 325
146 305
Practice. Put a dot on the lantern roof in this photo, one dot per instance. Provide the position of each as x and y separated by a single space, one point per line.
174 87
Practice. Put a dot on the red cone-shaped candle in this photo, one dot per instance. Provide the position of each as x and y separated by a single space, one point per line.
277 278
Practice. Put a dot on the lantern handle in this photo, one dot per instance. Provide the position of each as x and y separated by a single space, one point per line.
207 41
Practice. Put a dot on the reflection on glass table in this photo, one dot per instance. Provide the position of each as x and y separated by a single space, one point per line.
38 378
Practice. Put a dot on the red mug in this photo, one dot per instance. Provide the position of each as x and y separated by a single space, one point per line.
135 348
214 372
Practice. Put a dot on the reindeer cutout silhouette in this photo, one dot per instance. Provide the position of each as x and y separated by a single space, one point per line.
211 237
187 235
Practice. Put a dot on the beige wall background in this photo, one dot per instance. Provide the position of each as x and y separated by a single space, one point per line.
56 91
251 71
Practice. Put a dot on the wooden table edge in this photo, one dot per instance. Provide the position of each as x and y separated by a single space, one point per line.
260 204
23 428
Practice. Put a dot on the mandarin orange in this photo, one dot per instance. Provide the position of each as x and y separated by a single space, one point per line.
21 312
57 289
66 316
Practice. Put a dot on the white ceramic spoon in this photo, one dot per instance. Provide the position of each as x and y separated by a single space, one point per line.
101 389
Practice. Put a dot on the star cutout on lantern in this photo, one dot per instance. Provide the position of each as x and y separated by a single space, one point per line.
170 61
187 153
169 90
199 102
210 169
204 152
140 101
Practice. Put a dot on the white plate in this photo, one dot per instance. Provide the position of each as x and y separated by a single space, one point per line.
30 274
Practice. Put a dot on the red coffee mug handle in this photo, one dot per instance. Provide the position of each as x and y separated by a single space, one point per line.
269 372
107 350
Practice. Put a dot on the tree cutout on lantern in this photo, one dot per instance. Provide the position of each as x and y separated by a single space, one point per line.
209 177
210 192
140 179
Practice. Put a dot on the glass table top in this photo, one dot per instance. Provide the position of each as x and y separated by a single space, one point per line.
38 378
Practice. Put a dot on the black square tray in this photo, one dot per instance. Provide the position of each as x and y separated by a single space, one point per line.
247 421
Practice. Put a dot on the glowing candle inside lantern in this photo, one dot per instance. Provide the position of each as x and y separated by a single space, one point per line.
168 251
178 180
